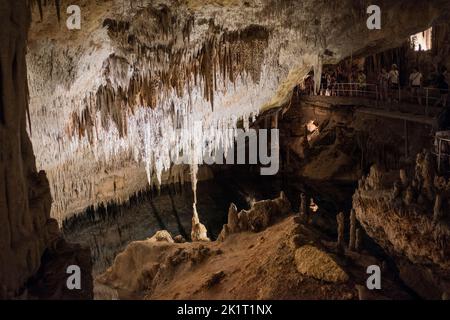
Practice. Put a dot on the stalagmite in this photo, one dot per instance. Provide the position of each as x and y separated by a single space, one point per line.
233 221
403 177
199 232
409 196
397 190
341 229
317 74
303 208
358 240
352 241
362 292
243 221
313 207
438 213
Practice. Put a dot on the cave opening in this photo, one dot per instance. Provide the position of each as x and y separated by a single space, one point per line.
423 41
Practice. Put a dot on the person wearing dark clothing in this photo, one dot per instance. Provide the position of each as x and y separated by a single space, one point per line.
443 120
442 84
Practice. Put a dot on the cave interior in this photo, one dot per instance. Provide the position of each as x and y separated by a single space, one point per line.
224 149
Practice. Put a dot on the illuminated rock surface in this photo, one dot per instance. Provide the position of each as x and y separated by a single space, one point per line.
107 100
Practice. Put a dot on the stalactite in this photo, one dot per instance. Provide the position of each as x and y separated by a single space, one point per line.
304 208
317 74
438 213
194 171
41 14
58 9
199 232
341 230
2 110
358 240
41 5
352 241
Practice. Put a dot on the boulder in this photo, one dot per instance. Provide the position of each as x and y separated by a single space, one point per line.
315 263
162 236
179 239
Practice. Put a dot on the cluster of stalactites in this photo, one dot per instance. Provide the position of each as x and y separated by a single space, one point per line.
156 139
140 97
113 129
151 98
160 72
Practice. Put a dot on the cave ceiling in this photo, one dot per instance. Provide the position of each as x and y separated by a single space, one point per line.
106 101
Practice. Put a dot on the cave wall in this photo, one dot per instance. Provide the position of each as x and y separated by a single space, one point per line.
25 199
406 213
428 62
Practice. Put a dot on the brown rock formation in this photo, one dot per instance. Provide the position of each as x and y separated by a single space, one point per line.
340 219
352 240
26 229
261 215
287 260
317 264
162 236
407 229
24 193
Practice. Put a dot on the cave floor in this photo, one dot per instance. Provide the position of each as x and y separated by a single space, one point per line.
246 265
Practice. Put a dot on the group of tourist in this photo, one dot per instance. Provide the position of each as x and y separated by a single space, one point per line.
339 81
342 82
389 86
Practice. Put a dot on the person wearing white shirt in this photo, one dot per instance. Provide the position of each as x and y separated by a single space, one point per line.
394 77
415 82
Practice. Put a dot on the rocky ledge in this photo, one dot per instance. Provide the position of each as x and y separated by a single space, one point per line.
407 215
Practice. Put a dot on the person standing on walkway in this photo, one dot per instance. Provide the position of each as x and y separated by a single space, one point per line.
361 78
383 82
394 81
442 84
415 83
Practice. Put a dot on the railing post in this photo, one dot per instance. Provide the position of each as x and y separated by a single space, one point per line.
406 139
376 95
439 154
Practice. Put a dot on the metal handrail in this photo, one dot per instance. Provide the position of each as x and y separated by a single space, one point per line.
342 88
424 92
353 87
439 154
356 83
